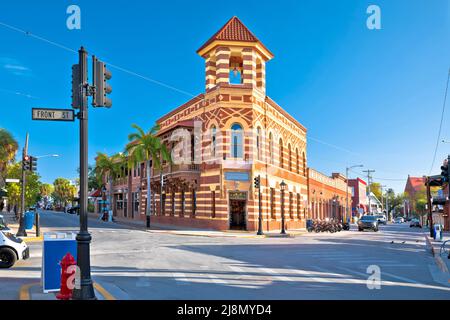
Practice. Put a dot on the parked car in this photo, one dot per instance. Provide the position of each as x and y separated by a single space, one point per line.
368 222
415 223
3 225
381 219
398 220
12 249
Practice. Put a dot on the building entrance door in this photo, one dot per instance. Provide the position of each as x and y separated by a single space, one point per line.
238 204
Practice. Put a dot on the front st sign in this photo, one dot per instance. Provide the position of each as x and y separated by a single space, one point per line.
53 114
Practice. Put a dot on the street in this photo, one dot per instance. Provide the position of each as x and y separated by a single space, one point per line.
136 264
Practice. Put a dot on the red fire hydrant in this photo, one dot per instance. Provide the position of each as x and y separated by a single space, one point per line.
65 292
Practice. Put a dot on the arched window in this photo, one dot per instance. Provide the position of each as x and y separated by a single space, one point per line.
213 141
271 147
236 70
290 157
281 153
304 164
258 143
297 162
236 141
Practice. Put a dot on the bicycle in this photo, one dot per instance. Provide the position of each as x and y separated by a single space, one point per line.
445 251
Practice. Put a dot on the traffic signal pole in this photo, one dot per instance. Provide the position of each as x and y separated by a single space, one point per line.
84 290
22 232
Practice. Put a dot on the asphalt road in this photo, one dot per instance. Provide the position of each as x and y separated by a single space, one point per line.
134 264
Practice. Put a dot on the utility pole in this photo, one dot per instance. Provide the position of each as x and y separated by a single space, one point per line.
85 289
369 181
382 204
22 232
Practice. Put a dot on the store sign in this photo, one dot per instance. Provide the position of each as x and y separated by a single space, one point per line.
237 176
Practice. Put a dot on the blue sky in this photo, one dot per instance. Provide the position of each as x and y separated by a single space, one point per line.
366 96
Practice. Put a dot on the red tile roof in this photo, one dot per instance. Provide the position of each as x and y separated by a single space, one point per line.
233 30
416 183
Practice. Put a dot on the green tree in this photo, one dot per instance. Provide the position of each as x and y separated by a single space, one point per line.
46 190
64 191
146 147
109 168
375 188
33 185
8 150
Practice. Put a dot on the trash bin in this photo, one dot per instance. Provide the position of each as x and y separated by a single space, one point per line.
309 224
29 220
437 232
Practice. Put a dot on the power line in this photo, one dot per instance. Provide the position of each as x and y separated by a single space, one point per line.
61 46
440 125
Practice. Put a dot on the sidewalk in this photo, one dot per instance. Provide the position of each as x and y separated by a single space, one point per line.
435 246
33 291
14 226
184 231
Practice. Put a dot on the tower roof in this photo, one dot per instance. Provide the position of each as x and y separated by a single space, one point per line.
233 30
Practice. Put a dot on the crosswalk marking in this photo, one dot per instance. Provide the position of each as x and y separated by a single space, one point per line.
275 275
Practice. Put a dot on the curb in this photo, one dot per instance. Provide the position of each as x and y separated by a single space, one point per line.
440 263
32 239
24 291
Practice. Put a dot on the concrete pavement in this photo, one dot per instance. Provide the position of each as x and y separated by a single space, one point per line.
135 264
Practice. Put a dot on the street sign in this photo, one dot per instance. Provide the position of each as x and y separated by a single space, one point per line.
53 114
12 180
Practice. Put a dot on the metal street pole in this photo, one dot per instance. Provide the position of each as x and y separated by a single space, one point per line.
22 232
430 209
283 229
85 289
368 185
260 231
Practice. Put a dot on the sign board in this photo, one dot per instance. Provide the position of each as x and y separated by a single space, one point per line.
237 176
237 195
56 246
13 180
53 114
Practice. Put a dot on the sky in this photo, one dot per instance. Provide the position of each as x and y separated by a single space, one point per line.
371 97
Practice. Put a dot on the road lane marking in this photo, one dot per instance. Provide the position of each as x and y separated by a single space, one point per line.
273 274
180 278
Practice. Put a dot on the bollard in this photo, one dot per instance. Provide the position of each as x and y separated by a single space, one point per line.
38 228
65 293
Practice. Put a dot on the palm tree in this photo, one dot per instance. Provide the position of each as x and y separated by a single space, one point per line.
8 149
108 166
147 147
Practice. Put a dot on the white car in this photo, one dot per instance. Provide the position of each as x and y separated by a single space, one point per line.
12 249
399 220
381 219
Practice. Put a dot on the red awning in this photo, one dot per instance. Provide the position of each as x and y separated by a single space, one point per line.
95 194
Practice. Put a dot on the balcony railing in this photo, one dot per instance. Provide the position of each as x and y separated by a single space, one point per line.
177 168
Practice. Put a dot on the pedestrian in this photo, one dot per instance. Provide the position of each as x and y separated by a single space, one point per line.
2 205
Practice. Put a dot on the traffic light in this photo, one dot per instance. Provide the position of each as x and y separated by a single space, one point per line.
444 171
33 164
164 180
26 163
76 90
102 88
257 182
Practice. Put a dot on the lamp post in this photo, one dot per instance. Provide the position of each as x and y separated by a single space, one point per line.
283 188
346 196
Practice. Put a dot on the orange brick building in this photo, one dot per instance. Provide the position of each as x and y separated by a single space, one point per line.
224 138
